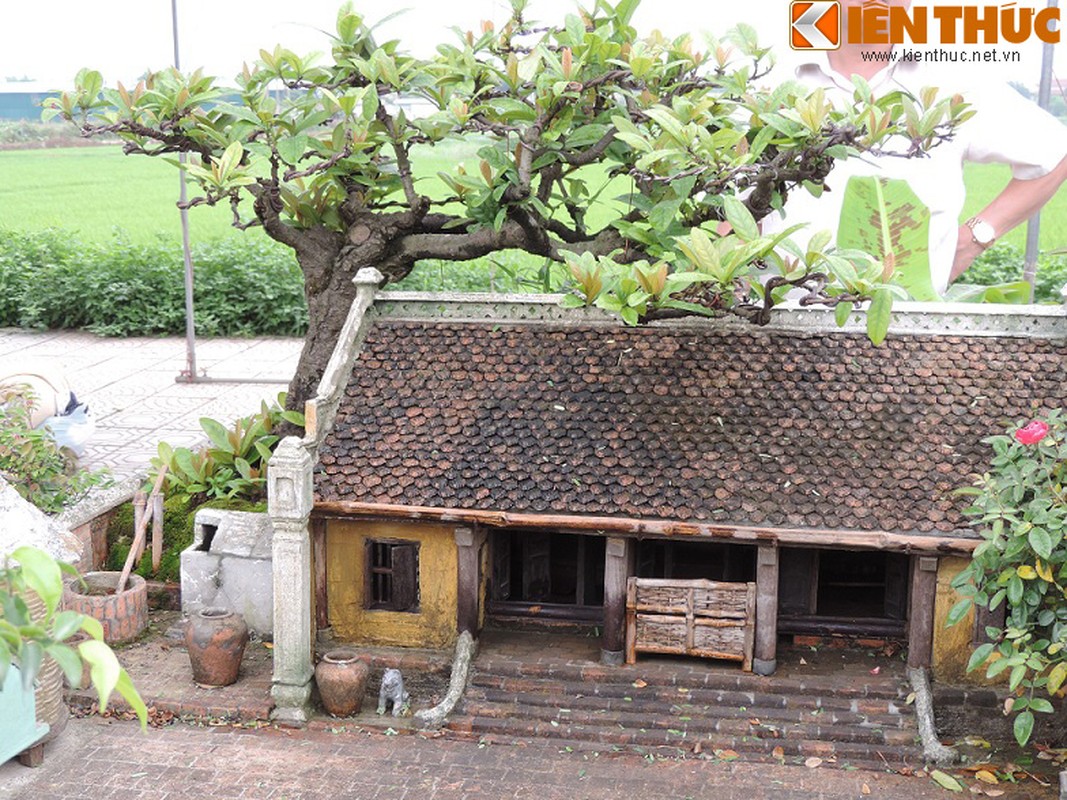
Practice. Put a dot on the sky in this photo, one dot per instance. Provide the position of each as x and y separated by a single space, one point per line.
50 40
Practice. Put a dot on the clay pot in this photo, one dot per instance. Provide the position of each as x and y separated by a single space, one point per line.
216 639
123 616
342 680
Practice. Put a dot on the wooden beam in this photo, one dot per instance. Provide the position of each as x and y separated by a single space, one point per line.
765 657
921 612
914 543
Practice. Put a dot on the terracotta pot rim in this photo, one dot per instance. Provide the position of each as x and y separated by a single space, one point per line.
215 612
108 579
341 655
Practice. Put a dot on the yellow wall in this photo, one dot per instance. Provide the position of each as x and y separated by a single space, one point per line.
433 625
952 646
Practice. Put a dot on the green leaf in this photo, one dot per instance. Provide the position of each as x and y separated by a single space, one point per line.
885 218
93 627
946 781
740 218
65 625
42 574
879 315
292 148
1041 542
1023 727
842 311
958 612
216 432
104 669
1041 705
30 662
68 661
979 656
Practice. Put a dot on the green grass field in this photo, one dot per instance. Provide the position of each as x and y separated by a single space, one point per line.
94 191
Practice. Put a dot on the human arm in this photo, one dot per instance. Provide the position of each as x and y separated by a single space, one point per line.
1019 200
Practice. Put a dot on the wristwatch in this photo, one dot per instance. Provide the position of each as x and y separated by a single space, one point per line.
981 232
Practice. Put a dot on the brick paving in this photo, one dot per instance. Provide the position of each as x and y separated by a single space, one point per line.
129 385
98 759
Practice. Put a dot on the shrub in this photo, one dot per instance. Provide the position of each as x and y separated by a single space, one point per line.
32 462
1004 263
234 465
244 286
1020 508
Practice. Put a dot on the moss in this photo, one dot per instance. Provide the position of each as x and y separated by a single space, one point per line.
179 513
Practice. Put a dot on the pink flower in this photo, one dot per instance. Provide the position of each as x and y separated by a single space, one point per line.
1032 433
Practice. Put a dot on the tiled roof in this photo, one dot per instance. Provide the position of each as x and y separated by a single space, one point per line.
680 422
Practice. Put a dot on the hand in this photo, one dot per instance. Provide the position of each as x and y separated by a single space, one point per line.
967 250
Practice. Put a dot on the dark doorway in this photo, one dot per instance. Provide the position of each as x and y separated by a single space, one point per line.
657 558
860 593
550 575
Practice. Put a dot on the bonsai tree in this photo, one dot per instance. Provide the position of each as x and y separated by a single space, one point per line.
641 162
26 640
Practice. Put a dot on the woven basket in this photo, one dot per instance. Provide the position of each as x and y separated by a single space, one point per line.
48 694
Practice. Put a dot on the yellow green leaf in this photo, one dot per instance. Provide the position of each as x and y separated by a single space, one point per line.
946 781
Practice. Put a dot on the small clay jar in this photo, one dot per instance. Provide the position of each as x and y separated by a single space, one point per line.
216 639
342 677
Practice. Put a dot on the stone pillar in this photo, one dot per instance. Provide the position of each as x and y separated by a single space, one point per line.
469 543
765 656
618 558
289 501
921 611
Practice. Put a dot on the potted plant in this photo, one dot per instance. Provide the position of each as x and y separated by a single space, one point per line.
27 638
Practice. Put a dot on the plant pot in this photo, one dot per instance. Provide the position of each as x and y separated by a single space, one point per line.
342 677
216 639
123 616
48 687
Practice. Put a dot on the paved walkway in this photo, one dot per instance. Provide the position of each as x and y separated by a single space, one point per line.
129 385
99 759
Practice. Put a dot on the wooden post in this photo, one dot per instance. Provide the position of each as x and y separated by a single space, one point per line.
140 508
469 543
921 612
618 557
318 563
765 659
157 532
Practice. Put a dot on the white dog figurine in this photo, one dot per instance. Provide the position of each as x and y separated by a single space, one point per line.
392 691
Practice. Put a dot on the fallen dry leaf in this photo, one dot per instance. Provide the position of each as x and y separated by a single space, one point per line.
865 789
754 721
876 670
727 755
909 699
698 748
813 762
802 661
985 776
640 684
1009 703
778 753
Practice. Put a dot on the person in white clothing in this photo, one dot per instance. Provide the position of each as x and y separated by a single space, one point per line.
1006 128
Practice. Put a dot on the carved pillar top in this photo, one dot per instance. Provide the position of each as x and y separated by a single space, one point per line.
290 482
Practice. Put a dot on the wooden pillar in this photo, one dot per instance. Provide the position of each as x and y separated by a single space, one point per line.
765 658
618 560
469 543
318 562
921 611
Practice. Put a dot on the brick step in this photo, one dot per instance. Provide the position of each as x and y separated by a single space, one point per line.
673 742
655 706
888 687
761 728
779 698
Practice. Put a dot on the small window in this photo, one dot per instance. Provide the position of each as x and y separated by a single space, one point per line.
392 575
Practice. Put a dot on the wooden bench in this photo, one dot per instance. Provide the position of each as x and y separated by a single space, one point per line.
712 619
